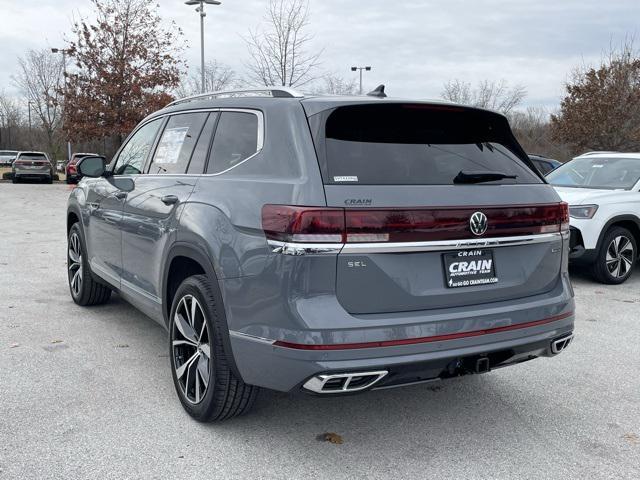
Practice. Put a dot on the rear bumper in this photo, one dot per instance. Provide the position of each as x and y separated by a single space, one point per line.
285 369
264 363
28 173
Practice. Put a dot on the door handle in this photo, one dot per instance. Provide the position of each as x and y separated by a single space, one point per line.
120 195
169 199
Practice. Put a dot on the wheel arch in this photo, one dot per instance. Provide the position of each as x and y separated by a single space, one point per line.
630 222
73 216
184 260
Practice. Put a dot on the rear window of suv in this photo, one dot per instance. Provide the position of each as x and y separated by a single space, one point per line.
414 144
33 156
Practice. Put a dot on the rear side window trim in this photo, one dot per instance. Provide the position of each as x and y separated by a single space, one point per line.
259 140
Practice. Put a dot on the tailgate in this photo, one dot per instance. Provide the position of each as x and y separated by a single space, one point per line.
442 207
432 259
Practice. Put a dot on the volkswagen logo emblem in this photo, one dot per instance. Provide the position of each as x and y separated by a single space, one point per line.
478 223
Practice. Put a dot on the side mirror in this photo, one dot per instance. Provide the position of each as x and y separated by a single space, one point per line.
92 167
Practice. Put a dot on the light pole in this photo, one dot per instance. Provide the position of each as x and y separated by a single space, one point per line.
64 52
200 9
368 69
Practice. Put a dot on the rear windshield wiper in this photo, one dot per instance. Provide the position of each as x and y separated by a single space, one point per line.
479 177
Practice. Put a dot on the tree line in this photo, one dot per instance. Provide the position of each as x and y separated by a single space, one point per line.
125 63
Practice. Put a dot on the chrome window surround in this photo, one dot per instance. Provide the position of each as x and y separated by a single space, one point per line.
290 248
260 133
259 146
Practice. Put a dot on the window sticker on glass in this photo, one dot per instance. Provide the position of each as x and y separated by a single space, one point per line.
347 178
169 148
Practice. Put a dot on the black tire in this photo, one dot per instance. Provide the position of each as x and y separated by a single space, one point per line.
605 267
14 179
49 180
88 291
225 396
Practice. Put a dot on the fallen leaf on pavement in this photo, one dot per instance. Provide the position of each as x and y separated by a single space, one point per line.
330 437
56 341
631 438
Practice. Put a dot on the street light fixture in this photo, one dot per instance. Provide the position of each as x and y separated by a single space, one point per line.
367 68
64 52
200 10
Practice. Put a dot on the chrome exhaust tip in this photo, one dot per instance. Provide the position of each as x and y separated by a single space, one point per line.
561 343
344 382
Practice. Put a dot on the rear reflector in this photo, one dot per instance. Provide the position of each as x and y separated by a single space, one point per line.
413 341
368 225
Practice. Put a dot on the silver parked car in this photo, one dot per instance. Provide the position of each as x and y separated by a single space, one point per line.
32 166
7 157
327 245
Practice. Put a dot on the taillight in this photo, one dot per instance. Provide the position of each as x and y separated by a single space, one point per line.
71 168
564 214
19 162
303 224
337 225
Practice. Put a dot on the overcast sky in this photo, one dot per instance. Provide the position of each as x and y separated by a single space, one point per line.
414 46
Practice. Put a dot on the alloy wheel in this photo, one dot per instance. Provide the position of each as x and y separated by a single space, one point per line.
75 264
191 349
620 257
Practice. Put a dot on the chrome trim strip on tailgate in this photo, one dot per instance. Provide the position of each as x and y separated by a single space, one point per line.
290 248
449 244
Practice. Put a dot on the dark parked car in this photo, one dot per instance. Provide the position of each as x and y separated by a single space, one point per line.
543 164
327 245
32 166
71 169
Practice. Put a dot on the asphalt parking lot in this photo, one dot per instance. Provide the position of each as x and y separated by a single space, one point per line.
87 393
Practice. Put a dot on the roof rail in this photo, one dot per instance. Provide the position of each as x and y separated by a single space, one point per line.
275 92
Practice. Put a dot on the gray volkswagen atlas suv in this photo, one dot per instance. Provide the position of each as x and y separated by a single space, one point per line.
326 245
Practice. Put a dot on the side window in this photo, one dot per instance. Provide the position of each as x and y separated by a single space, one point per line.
133 155
236 140
177 143
544 167
200 153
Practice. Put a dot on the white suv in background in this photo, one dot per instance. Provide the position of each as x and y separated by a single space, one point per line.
603 193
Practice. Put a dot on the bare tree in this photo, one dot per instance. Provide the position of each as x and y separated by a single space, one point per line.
532 128
601 109
280 54
10 122
494 95
217 76
336 85
41 79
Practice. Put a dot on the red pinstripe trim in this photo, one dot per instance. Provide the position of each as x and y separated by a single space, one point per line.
412 341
